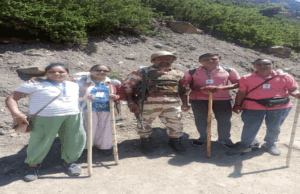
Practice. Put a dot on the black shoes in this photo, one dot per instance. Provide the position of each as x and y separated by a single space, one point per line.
227 144
240 149
32 173
106 152
103 152
254 145
147 146
175 143
197 143
73 169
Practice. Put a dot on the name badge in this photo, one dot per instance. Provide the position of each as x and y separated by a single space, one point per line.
100 94
209 81
266 86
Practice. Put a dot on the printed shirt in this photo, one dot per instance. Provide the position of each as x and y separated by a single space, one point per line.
219 77
41 93
136 77
278 88
100 91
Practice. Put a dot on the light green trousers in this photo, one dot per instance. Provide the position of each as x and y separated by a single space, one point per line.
44 129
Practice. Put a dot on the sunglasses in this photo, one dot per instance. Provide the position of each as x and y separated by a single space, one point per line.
99 70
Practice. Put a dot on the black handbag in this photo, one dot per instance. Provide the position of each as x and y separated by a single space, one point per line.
268 102
271 102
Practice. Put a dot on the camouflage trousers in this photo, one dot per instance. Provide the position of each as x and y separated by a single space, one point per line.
169 114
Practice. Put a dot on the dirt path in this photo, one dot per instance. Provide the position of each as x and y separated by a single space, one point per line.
165 172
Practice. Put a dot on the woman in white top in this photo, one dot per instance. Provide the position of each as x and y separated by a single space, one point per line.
62 117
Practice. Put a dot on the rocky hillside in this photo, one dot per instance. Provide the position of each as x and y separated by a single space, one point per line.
123 54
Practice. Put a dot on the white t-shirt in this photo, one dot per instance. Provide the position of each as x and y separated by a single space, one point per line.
41 93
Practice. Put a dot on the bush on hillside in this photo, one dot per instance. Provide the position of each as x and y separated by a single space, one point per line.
69 21
57 20
105 15
245 25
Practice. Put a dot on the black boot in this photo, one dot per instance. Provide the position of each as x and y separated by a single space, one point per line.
147 146
175 143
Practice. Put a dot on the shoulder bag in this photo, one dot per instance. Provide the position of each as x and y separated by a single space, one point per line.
268 102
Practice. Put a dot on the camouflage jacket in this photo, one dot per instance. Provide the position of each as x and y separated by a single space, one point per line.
160 83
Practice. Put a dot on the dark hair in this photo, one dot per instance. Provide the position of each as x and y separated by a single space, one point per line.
209 55
95 66
57 65
260 59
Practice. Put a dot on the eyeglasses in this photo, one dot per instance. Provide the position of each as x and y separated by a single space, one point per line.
99 70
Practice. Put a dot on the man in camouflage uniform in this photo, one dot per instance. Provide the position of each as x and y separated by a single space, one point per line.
165 88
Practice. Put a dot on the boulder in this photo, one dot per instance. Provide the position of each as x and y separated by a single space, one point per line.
185 27
33 70
158 45
281 51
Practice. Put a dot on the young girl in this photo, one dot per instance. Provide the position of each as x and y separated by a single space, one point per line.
97 84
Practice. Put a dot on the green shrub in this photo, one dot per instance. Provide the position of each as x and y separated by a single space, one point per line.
57 20
69 21
244 24
104 16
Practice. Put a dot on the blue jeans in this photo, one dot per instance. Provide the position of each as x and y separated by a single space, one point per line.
253 119
223 112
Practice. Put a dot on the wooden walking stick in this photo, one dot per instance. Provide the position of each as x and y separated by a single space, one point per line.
208 129
89 136
288 158
113 126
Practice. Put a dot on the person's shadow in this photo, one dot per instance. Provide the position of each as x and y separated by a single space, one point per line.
132 149
218 157
13 167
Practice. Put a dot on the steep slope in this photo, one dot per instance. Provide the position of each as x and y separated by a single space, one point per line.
124 54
